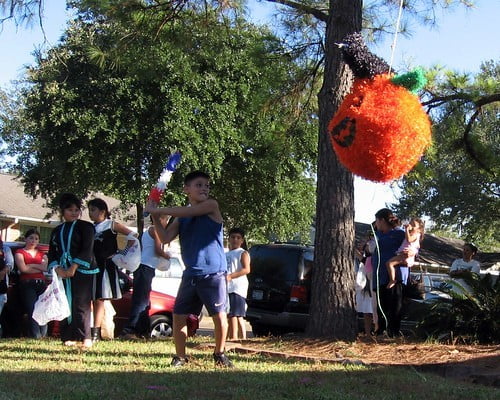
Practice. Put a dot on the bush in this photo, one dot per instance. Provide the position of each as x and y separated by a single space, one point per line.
472 314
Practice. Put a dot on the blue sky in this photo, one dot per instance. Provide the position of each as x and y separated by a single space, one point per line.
462 40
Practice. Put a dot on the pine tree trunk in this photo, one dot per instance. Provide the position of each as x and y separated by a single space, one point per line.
332 305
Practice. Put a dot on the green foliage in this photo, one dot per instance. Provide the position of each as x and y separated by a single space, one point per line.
472 315
103 109
456 183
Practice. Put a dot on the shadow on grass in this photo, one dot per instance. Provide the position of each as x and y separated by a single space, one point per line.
45 369
484 370
258 378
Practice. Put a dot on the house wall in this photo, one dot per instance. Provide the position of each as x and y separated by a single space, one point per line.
13 230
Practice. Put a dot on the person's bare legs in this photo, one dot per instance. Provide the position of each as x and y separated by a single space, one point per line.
232 328
98 307
220 331
180 334
242 329
391 268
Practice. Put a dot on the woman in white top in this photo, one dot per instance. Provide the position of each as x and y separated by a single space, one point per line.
151 255
105 247
238 267
466 263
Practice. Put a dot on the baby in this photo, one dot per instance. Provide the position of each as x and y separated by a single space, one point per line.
414 233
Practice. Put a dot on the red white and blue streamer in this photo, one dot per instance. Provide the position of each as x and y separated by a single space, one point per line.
157 191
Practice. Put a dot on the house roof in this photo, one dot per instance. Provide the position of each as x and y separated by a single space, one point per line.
14 203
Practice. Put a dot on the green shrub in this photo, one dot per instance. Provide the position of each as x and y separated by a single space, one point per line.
471 315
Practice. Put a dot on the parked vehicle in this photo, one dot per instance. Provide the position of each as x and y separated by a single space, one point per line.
160 312
414 309
168 281
279 290
13 321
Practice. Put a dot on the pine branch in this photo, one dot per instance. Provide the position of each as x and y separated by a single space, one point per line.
303 9
437 101
482 101
469 148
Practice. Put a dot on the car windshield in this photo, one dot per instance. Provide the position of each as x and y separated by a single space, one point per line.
280 263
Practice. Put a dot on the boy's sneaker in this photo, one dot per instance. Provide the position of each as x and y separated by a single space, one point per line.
178 362
221 360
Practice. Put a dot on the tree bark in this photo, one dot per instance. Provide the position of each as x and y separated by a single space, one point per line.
332 312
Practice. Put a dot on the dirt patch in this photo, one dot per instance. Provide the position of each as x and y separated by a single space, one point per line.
473 363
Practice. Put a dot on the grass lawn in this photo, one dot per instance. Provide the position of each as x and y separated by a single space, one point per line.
45 369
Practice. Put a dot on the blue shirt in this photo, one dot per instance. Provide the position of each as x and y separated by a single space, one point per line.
387 246
202 246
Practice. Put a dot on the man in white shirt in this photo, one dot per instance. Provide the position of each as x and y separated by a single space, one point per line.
466 263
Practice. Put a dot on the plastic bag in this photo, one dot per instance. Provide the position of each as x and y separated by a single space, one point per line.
52 305
361 277
130 257
163 263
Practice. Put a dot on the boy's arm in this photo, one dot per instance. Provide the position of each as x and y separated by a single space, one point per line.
245 267
165 235
208 207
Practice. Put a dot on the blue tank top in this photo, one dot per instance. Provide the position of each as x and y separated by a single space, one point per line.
388 245
202 246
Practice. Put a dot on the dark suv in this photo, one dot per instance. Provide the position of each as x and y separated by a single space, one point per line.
279 288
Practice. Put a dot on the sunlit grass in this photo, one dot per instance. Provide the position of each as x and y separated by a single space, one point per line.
111 370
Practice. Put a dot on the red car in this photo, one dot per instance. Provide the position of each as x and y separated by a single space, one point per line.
160 312
13 320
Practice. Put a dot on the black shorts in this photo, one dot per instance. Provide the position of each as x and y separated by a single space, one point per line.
208 290
237 305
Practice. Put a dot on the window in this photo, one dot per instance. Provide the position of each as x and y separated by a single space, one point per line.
45 231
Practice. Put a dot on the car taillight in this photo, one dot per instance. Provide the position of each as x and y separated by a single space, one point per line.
298 294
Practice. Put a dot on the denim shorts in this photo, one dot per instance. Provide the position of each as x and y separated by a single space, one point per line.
198 291
237 305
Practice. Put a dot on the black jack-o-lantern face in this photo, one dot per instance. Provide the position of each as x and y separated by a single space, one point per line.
344 132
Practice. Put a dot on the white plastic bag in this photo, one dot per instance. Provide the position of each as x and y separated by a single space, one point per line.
361 277
131 257
163 263
52 305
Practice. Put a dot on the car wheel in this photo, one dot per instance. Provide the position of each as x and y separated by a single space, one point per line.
259 329
161 327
